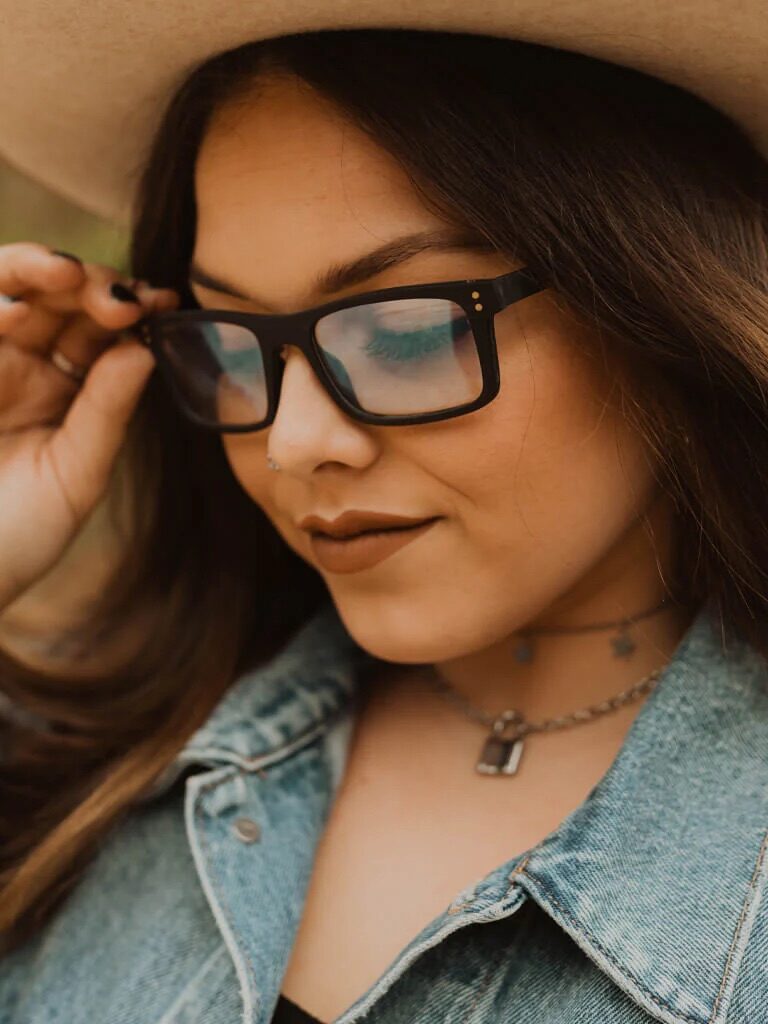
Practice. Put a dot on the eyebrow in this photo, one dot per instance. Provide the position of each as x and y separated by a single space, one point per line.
345 275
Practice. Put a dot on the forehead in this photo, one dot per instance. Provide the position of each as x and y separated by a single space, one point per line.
284 170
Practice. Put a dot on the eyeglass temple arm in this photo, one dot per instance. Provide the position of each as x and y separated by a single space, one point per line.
515 286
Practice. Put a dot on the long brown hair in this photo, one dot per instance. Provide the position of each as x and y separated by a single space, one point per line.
642 207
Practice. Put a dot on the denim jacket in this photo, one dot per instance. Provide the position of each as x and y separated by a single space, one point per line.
646 903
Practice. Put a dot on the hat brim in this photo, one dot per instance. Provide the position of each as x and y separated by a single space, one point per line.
85 84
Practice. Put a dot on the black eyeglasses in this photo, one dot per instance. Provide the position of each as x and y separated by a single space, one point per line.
414 354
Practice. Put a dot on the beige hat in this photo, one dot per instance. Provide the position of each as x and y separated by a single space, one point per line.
84 82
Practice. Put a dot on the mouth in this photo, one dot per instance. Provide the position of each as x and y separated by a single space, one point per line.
366 548
374 532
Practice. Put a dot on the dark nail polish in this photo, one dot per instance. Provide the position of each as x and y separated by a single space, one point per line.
66 255
119 291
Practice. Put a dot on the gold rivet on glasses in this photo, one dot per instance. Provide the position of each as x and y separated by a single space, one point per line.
478 306
475 295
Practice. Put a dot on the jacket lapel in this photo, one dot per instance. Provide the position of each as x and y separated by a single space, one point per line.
659 874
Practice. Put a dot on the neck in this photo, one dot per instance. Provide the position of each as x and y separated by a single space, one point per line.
566 673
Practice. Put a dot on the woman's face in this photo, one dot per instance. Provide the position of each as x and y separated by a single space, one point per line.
539 492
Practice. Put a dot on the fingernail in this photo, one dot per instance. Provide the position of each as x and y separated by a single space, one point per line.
119 291
66 255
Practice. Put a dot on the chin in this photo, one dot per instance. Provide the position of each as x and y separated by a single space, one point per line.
394 632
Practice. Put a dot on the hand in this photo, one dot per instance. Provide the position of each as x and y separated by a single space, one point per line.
59 437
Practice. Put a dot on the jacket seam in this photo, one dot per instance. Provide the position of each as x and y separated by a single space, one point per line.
579 925
221 901
490 974
728 973
252 763
182 997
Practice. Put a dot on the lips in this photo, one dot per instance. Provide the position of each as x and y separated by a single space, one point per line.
355 522
367 548
365 533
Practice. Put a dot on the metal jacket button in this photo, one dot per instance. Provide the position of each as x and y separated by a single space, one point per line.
246 829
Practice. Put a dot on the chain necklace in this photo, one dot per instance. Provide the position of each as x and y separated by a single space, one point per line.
500 753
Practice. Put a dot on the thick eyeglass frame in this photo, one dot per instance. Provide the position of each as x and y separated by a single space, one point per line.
480 298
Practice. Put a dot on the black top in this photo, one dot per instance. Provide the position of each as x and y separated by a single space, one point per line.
287 1012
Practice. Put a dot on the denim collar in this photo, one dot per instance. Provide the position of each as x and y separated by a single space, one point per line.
287 701
658 875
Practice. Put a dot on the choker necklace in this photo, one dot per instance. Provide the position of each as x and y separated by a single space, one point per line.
622 643
500 753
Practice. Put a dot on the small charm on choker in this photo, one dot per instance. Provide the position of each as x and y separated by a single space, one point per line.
623 644
524 650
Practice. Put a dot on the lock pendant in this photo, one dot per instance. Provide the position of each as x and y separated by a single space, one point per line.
500 755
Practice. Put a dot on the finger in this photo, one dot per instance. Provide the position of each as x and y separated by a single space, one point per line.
102 306
156 299
30 266
50 311
12 313
82 340
32 390
107 299
34 328
85 446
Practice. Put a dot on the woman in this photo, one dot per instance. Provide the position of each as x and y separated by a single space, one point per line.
536 290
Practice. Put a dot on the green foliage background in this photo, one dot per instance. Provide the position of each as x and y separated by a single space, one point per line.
31 213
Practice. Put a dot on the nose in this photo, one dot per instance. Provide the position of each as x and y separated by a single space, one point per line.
309 428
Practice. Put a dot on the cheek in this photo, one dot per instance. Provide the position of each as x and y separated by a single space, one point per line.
548 474
247 457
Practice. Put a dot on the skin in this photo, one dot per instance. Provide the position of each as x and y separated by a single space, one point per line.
552 517
546 486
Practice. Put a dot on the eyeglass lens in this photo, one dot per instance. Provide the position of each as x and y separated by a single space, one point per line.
397 357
